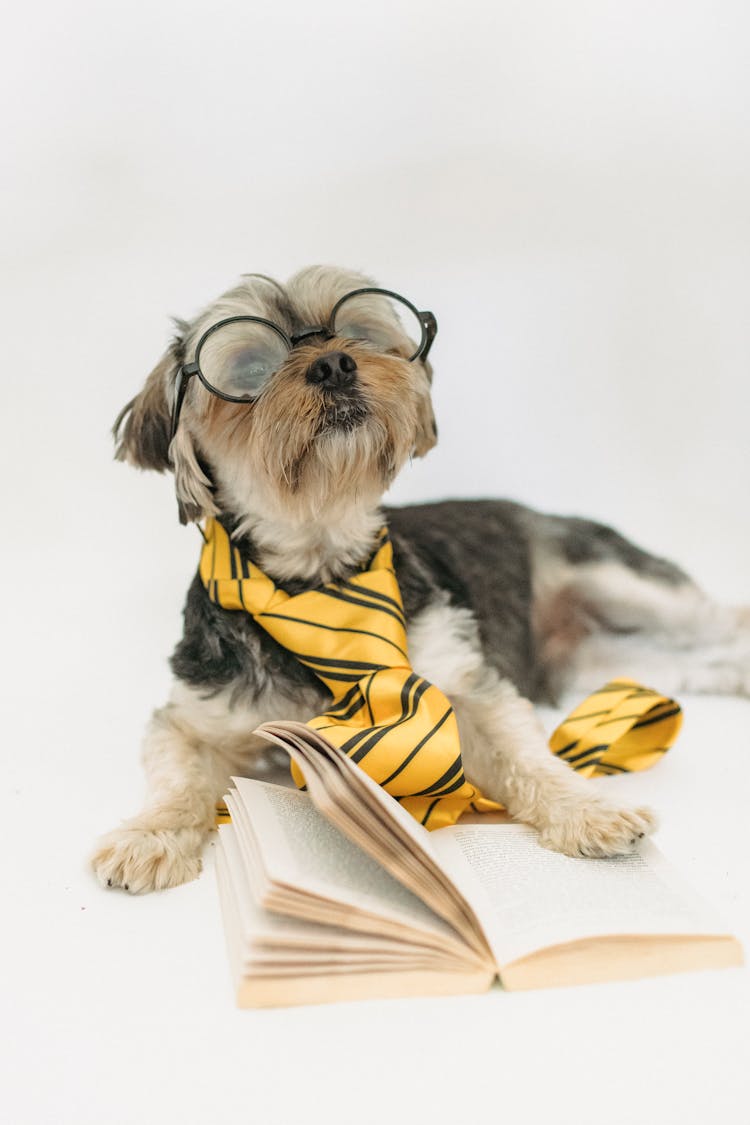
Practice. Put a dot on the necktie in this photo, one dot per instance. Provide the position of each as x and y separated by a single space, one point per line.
397 726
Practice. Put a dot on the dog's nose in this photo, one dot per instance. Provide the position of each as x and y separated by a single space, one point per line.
334 369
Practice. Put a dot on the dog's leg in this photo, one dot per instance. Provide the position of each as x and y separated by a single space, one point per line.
505 750
619 623
506 753
602 608
192 747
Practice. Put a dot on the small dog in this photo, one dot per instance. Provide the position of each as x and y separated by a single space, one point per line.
306 401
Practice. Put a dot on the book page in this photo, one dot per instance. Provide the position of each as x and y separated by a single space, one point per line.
528 897
263 929
300 849
262 942
377 823
340 778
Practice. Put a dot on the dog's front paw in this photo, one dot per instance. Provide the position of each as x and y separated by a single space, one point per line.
140 859
597 828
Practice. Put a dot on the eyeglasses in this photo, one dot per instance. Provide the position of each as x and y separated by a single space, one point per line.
236 357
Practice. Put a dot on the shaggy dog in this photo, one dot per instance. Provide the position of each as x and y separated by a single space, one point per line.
306 402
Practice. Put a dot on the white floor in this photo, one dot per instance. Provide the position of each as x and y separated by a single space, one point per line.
566 187
119 1009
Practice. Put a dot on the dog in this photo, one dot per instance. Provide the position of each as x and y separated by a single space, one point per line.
306 402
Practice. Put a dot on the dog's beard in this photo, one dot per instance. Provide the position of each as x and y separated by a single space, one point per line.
342 414
301 451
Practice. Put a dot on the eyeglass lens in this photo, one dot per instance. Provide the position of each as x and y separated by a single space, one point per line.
388 323
238 358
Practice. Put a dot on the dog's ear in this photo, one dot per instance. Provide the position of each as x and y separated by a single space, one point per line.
142 432
141 429
425 436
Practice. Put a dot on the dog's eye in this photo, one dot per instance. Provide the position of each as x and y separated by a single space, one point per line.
239 358
386 323
353 332
248 368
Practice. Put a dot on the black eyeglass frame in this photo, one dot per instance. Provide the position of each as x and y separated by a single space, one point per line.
426 319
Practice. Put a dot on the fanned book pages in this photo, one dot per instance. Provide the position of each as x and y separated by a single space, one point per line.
337 893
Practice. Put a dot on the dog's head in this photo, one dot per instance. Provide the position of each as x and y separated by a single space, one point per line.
307 397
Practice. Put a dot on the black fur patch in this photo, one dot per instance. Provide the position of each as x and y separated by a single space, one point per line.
478 552
223 647
585 541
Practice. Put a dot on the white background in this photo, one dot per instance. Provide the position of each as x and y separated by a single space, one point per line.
566 186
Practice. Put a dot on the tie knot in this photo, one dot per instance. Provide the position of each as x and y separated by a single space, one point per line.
343 631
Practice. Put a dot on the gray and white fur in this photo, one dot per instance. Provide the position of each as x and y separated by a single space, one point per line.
505 606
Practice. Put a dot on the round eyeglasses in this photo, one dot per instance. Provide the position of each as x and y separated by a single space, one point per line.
236 357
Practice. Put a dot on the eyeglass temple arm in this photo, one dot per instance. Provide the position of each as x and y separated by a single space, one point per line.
429 321
188 370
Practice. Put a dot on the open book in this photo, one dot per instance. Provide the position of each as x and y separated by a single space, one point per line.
336 893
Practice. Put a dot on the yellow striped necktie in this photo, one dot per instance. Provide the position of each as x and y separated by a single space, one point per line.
397 726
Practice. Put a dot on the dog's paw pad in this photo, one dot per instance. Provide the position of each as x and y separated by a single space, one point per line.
139 859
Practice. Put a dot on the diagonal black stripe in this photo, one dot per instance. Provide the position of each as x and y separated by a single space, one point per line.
617 719
591 715
241 589
364 592
658 719
409 704
570 746
363 666
237 575
339 677
408 684
441 780
380 732
595 761
620 718
627 769
426 816
408 711
375 601
351 711
348 705
367 700
585 753
367 605
449 773
335 629
460 780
